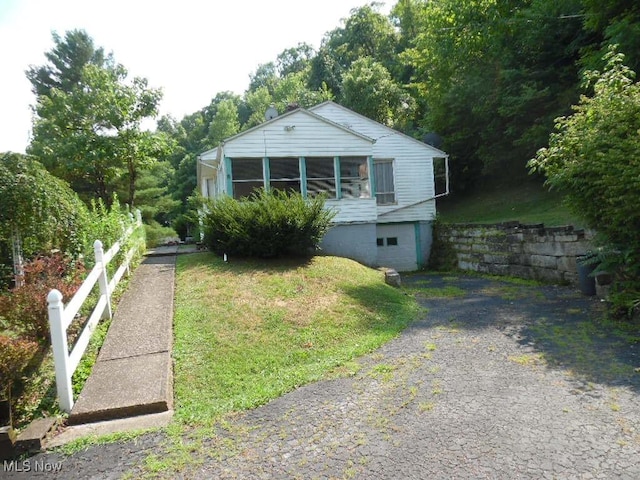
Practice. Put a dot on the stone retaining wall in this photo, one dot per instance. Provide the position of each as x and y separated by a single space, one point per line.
525 251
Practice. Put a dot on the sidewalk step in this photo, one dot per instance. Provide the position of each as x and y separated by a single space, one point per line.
125 387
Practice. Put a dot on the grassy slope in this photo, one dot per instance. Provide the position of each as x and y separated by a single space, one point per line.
248 331
528 202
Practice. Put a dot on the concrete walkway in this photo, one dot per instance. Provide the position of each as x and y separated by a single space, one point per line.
133 373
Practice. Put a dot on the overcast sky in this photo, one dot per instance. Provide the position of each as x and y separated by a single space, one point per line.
192 49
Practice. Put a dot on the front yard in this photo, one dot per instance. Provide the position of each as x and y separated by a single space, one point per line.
248 331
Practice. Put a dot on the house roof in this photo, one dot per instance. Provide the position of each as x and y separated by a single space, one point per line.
391 130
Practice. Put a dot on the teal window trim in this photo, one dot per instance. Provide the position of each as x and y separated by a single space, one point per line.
372 177
229 176
266 173
336 169
303 176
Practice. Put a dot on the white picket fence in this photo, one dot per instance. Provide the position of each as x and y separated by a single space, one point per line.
61 316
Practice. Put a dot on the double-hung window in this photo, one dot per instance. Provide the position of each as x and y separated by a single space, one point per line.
385 190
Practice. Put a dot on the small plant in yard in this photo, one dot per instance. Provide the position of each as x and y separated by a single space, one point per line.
24 308
267 224
15 355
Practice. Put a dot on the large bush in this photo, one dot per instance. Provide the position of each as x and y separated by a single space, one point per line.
38 208
594 159
267 224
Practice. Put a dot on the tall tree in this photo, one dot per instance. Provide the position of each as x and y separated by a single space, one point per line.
494 75
295 59
367 88
366 33
87 129
65 63
613 22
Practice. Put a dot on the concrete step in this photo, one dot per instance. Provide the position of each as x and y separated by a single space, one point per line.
125 387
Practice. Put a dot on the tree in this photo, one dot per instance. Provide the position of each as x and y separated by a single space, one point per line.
89 132
225 123
593 158
613 22
494 75
295 59
367 88
66 61
265 76
366 33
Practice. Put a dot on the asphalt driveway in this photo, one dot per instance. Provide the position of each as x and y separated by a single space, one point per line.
496 381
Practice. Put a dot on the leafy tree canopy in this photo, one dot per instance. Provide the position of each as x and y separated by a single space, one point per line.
87 129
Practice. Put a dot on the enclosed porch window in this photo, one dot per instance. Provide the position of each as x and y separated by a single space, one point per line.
354 177
321 176
284 174
247 175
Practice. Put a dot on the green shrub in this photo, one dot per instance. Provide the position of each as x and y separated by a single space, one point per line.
15 355
40 209
593 158
267 224
156 233
25 308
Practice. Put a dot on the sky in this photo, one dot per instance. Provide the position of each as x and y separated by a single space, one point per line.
192 49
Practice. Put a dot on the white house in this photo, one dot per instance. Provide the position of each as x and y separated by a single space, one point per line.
380 182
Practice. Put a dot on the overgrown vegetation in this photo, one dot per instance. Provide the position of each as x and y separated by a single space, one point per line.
38 212
54 256
527 202
592 159
266 224
442 256
23 310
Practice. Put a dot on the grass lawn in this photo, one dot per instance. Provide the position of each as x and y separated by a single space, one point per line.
529 203
248 331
